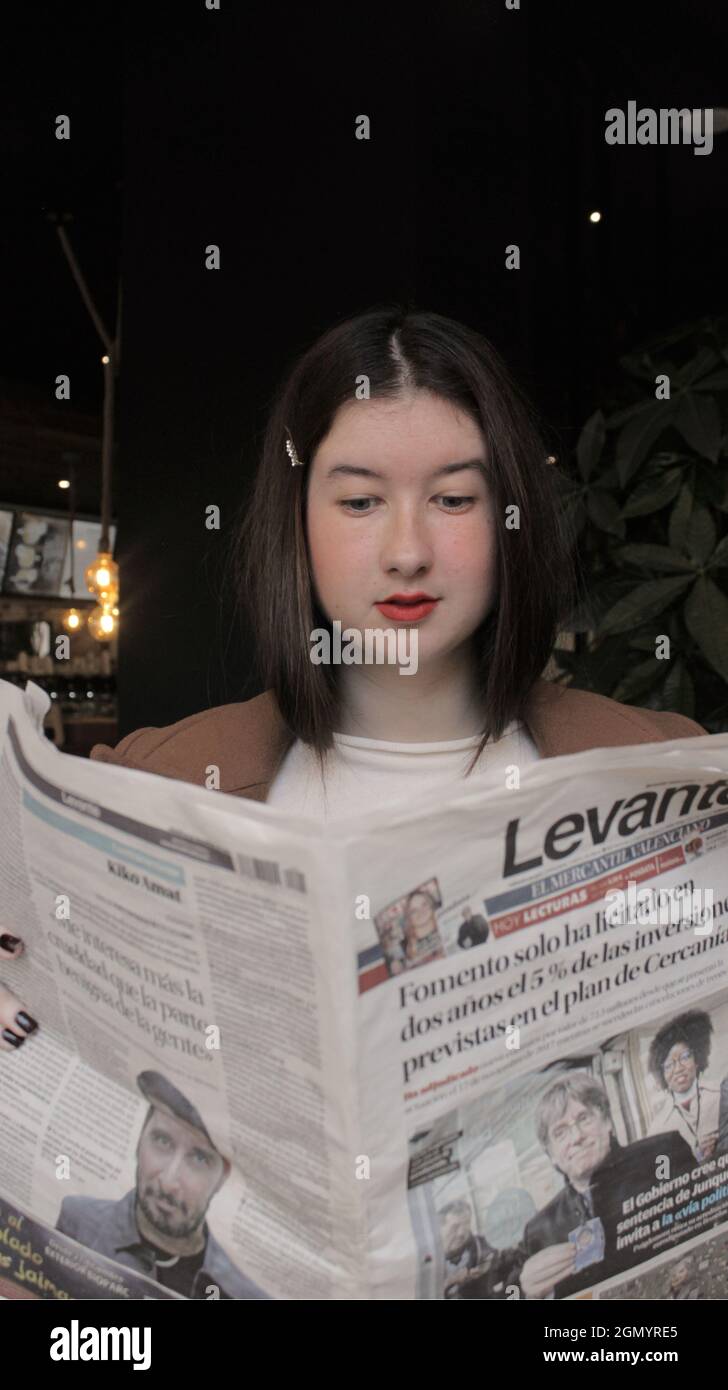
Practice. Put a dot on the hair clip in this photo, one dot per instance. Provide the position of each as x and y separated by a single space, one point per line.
296 462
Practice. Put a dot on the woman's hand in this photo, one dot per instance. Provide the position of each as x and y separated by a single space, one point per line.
15 1022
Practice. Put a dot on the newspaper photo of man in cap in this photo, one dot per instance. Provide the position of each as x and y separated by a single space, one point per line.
159 1227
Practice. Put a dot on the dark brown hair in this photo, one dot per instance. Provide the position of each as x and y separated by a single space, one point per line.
402 350
693 1028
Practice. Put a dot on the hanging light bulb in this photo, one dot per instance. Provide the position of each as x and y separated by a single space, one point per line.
72 620
102 578
103 622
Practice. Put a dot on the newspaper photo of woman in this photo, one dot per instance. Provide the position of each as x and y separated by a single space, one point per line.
421 932
408 930
678 1057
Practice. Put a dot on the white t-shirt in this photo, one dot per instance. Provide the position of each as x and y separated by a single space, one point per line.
366 774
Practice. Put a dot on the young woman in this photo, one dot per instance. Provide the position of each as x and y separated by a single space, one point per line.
678 1058
404 486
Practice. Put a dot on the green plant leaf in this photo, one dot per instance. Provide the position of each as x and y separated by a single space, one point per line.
678 692
717 381
639 680
711 483
604 512
704 360
698 420
706 617
701 535
680 517
655 557
645 601
600 668
628 412
590 444
692 528
720 555
638 435
652 494
721 500
602 596
662 459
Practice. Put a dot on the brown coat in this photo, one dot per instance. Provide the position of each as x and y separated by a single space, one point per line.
247 741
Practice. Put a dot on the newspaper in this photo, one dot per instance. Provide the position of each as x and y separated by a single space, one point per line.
472 1049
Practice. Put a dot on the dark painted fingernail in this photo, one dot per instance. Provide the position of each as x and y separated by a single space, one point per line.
12 1038
27 1023
9 943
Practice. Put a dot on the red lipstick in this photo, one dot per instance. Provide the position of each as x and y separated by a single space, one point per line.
407 608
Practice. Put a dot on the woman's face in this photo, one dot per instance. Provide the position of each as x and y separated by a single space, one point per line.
679 1068
420 916
410 529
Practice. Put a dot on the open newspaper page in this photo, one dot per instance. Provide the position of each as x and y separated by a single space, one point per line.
543 1030
182 1124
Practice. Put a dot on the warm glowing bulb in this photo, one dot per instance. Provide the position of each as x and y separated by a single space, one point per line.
102 578
595 217
105 359
72 620
102 623
64 482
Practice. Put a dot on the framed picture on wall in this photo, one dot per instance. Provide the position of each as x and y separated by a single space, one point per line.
37 554
84 549
6 529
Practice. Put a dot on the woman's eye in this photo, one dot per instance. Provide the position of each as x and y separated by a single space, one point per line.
461 502
355 503
358 506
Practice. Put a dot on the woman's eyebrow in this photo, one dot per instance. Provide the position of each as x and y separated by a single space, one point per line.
350 470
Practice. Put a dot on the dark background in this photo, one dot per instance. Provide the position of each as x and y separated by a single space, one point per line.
192 127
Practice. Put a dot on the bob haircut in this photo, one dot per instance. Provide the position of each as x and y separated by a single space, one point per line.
400 351
694 1029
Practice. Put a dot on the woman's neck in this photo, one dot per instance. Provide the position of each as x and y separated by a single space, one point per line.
432 706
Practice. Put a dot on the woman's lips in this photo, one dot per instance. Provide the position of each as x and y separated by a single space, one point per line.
407 612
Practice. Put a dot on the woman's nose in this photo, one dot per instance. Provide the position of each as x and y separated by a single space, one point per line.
407 543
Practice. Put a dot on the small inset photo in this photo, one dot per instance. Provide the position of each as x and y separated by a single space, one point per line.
408 929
